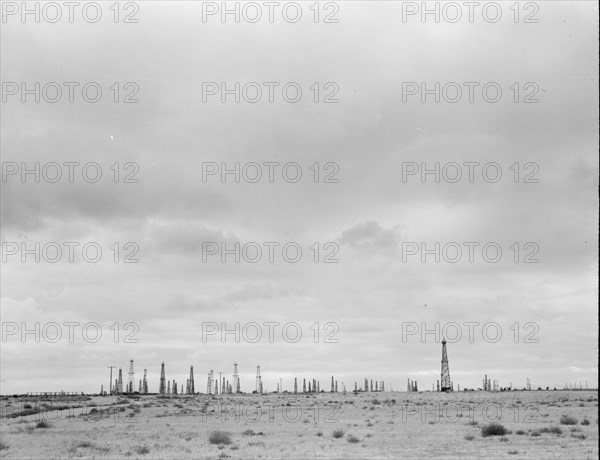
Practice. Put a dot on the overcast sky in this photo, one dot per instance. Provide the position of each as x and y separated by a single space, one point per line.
370 135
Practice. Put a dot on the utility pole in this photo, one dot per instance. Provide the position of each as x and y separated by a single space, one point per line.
110 383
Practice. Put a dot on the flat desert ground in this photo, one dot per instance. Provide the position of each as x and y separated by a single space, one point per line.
366 425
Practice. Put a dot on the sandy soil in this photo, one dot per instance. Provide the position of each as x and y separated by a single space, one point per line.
374 425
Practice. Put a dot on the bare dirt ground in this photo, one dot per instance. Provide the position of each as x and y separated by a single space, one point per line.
327 425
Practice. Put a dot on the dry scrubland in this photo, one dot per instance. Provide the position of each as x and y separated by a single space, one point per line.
535 424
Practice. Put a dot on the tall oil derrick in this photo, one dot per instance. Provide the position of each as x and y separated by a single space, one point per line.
162 388
332 384
304 386
235 383
131 377
191 389
120 382
145 382
110 389
258 381
446 384
209 383
295 385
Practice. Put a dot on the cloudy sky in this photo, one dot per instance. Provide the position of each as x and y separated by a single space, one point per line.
371 220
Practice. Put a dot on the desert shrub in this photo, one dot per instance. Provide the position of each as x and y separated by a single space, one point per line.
568 420
320 433
520 432
352 439
219 437
142 450
375 402
473 423
513 452
3 446
504 439
43 424
248 433
493 429
338 433
85 444
585 421
27 406
552 429
469 437
535 433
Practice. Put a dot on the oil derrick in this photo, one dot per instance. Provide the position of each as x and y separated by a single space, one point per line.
169 387
191 387
332 385
371 385
355 386
234 382
258 381
309 389
366 385
438 385
382 385
145 383
304 386
408 387
446 384
131 377
336 387
162 388
111 390
174 387
376 386
120 382
295 385
223 385
209 383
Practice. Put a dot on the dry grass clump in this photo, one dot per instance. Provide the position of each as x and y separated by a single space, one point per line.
568 420
338 433
493 429
220 437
